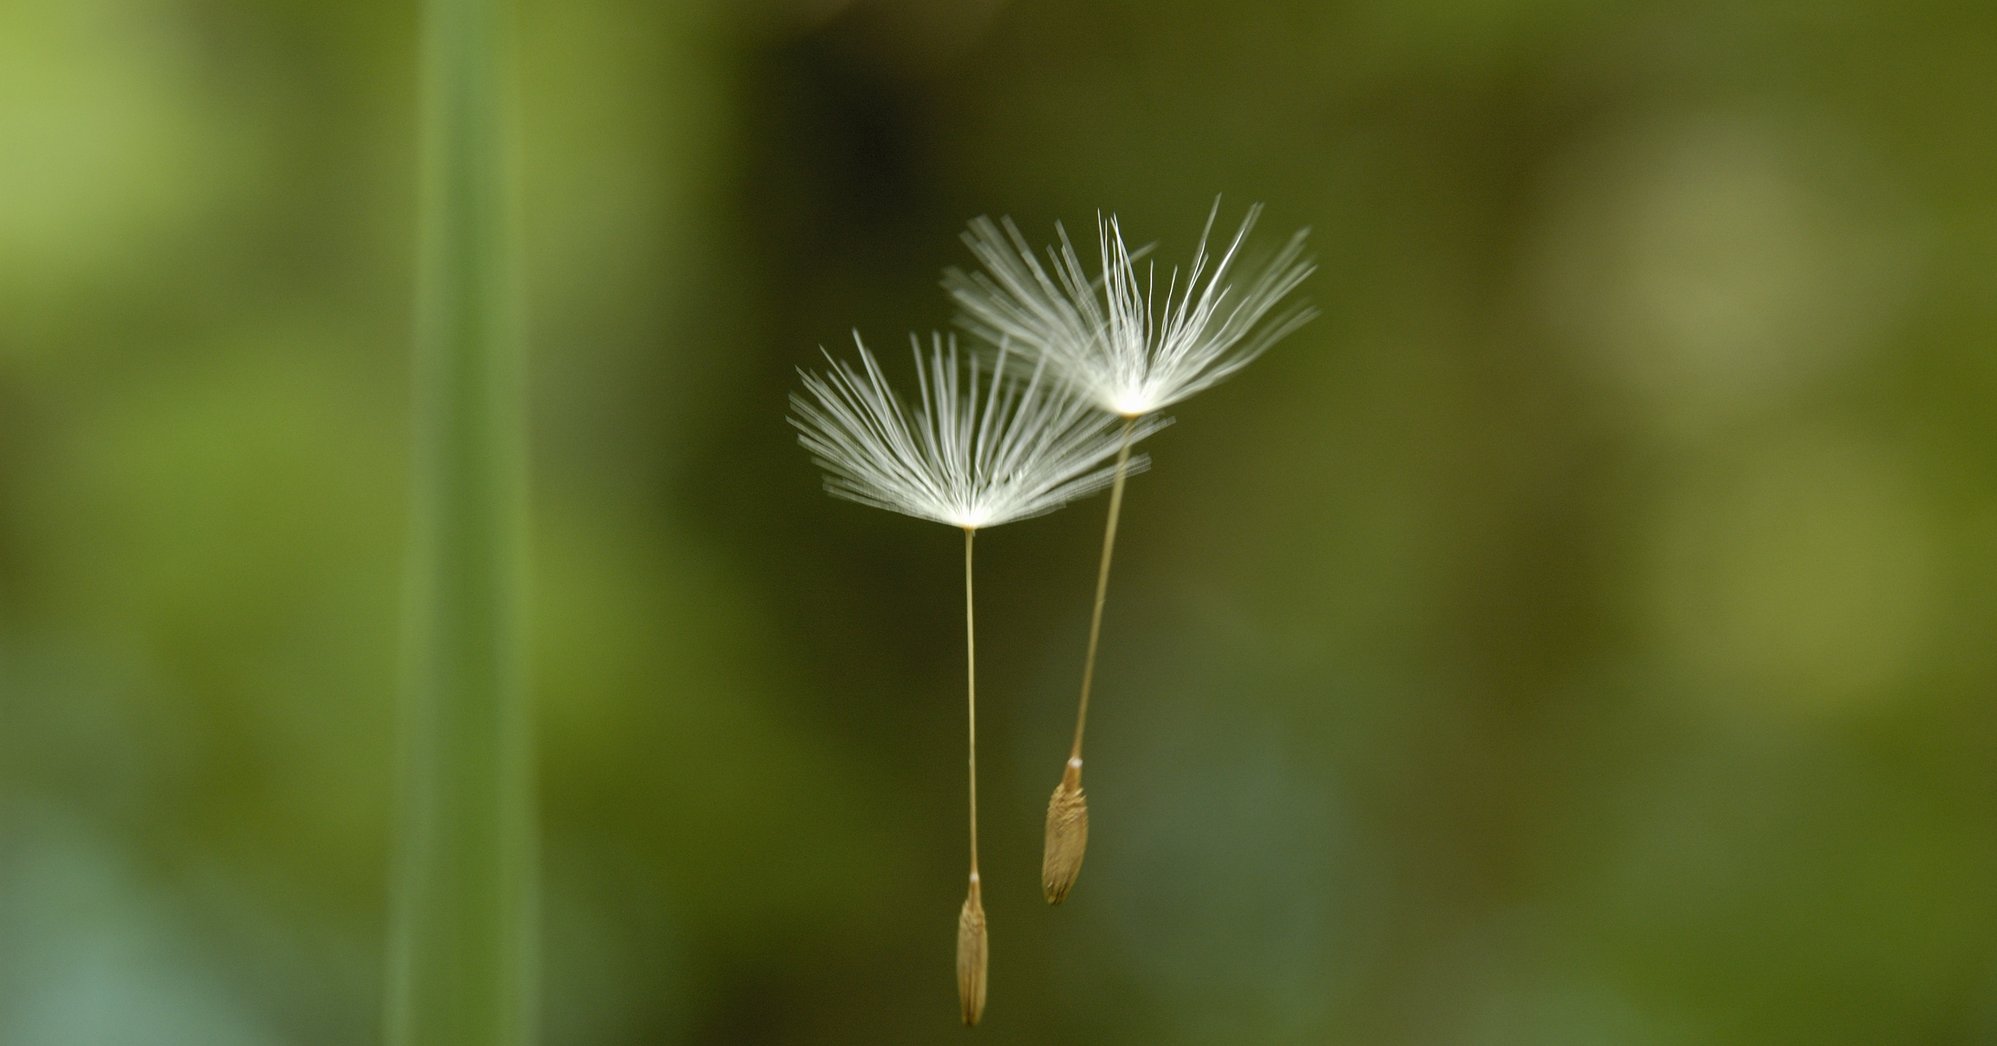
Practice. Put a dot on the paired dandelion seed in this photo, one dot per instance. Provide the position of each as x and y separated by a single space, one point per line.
1079 367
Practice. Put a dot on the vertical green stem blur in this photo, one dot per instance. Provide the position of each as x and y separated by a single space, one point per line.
462 966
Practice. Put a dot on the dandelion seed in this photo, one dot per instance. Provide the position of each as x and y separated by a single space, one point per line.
974 451
1132 348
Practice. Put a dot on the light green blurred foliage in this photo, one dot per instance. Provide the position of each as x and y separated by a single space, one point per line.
1578 634
114 144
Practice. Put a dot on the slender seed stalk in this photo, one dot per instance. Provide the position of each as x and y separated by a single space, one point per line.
973 949
971 692
1102 586
462 942
1067 838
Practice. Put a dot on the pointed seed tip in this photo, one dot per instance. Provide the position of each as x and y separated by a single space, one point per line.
1067 836
973 957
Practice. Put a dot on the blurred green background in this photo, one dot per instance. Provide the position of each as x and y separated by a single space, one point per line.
1581 633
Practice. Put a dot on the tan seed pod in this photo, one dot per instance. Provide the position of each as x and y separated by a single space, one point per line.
1067 835
973 955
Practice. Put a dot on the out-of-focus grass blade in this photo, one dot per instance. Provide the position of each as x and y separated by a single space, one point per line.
462 968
